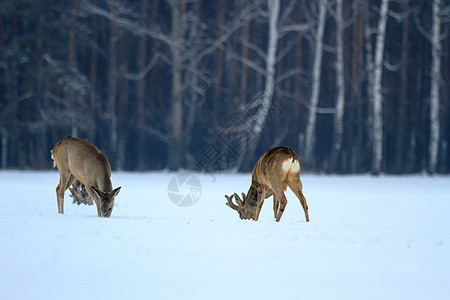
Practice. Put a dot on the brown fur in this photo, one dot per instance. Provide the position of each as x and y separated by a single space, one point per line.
269 178
79 159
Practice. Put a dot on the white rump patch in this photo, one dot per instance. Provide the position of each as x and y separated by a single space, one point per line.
295 167
286 164
54 161
291 165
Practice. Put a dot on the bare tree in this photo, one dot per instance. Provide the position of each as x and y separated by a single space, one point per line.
340 84
4 148
176 135
376 93
279 24
315 87
245 54
357 78
118 73
141 86
71 57
401 136
269 86
187 47
93 71
368 47
435 81
112 80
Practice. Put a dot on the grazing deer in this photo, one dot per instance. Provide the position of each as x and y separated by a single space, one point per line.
79 194
276 169
79 159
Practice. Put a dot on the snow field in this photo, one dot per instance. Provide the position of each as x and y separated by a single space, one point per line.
369 238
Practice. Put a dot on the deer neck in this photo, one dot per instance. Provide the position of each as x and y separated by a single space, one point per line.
251 199
105 185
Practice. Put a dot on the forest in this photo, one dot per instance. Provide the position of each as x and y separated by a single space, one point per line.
352 86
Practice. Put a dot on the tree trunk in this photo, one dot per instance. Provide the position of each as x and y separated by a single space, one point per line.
176 151
435 78
315 89
377 92
112 90
142 61
18 151
245 54
193 78
274 11
4 149
445 102
298 79
356 88
40 159
269 87
93 75
370 71
403 102
3 125
72 62
122 112
340 84
219 53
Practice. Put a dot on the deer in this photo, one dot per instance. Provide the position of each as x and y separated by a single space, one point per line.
79 194
276 169
77 159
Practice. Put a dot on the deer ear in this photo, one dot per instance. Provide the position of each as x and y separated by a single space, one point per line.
98 192
115 191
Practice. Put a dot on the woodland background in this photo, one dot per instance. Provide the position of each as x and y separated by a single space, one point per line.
352 86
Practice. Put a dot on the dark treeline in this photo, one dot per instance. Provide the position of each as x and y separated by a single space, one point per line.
350 85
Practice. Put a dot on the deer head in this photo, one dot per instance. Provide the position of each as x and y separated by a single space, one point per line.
106 200
246 207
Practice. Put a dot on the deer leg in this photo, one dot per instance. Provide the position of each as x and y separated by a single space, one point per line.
276 204
282 205
59 199
64 182
296 187
261 197
94 196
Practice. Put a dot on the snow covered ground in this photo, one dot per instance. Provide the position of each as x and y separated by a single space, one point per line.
369 238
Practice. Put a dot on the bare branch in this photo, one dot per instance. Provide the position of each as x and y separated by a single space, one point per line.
300 28
287 11
398 17
319 110
126 23
292 72
144 72
420 27
391 67
244 16
249 63
155 133
255 48
291 43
